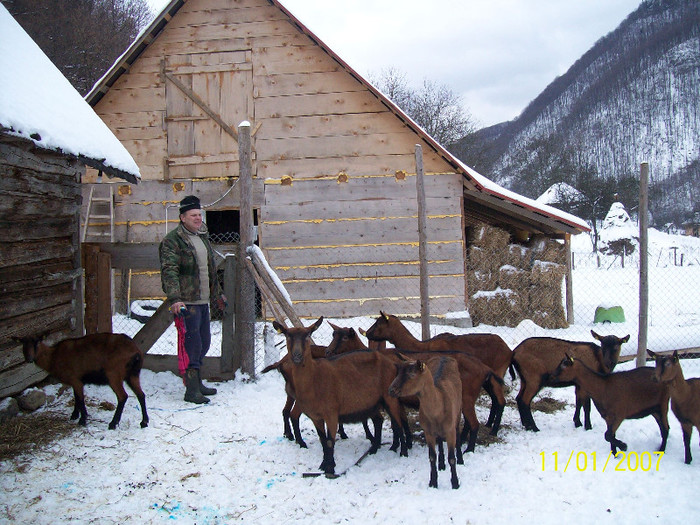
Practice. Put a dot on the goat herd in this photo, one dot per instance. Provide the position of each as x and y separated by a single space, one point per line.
442 377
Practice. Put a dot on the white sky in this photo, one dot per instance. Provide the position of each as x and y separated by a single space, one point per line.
497 55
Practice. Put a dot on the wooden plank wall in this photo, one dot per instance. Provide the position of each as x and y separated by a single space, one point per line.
356 251
40 274
313 121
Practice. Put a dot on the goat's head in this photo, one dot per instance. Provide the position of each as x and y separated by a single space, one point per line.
30 346
408 378
565 370
344 340
380 330
610 347
667 366
298 339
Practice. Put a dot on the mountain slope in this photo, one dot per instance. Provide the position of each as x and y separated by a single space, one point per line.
633 97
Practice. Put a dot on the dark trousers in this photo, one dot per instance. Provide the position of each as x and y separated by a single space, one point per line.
198 335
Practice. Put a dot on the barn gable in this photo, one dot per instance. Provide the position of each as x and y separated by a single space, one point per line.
333 159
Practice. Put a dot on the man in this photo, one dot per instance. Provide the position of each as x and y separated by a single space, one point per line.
188 277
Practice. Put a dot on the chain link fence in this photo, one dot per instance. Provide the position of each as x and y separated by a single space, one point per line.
516 288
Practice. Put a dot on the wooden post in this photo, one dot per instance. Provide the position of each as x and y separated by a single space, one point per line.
244 344
104 292
90 253
569 281
643 264
230 361
422 246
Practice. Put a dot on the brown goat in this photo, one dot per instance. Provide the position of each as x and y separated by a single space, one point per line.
632 394
536 358
473 373
685 395
351 386
291 411
437 384
95 359
490 349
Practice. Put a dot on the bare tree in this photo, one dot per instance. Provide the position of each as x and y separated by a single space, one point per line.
81 37
435 108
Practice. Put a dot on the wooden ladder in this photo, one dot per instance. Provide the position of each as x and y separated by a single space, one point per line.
100 209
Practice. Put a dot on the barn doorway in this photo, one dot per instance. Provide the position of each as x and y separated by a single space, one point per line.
224 231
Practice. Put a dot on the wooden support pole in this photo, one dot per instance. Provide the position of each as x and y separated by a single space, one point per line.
104 292
422 245
569 285
643 264
245 298
90 253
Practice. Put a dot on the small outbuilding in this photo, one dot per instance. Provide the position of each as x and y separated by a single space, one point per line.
48 134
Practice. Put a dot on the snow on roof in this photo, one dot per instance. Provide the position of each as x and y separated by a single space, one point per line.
38 103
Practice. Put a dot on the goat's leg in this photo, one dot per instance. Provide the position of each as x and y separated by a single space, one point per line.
433 467
368 432
583 400
378 421
614 442
286 411
331 430
471 424
453 465
134 383
441 454
324 438
118 388
341 432
397 414
662 421
294 416
524 398
79 401
458 444
687 434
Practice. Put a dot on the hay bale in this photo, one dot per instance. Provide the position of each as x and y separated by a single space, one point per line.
513 278
489 237
499 307
518 255
481 280
553 251
547 274
480 259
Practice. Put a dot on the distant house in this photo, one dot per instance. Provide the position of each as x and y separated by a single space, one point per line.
692 226
48 133
333 160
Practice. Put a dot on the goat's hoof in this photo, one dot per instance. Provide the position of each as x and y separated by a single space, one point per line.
112 426
144 424
455 484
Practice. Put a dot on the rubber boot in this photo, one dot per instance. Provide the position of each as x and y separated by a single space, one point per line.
192 393
205 390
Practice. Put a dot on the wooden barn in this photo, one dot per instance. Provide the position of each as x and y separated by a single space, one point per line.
48 133
334 161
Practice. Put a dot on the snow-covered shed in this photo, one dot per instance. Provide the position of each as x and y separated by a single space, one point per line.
333 160
48 134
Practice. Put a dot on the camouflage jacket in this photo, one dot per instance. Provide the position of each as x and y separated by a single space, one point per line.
179 272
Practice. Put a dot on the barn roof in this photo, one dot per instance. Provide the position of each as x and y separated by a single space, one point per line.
490 199
39 105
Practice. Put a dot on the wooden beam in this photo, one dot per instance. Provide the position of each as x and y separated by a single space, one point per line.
154 327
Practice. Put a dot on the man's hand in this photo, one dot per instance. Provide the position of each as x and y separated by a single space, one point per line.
178 308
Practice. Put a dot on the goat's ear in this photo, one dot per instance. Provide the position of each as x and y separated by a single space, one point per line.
625 339
651 354
334 327
280 329
569 358
421 365
596 336
363 331
401 356
675 355
318 323
386 317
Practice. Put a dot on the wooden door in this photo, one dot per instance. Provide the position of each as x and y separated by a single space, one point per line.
207 96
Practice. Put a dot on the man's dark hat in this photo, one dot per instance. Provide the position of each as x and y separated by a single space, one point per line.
189 203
